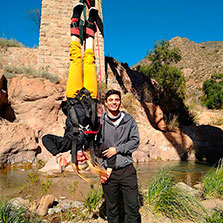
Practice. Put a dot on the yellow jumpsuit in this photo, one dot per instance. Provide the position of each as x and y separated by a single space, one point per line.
75 81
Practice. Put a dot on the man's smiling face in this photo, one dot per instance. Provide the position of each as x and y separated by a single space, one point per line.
113 103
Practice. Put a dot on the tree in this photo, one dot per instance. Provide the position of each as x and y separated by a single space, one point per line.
35 16
163 55
170 78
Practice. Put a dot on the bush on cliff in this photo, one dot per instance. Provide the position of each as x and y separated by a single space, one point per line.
11 71
4 43
169 77
213 92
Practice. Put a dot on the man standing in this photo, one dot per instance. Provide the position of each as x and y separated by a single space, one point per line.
119 134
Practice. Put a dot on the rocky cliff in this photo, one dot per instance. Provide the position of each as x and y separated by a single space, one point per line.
30 108
199 60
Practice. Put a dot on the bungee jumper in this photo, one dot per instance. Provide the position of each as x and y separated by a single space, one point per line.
82 123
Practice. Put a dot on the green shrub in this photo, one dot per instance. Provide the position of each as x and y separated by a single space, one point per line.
171 84
4 42
92 199
169 77
32 179
45 185
213 182
92 203
161 182
213 92
172 201
10 213
73 187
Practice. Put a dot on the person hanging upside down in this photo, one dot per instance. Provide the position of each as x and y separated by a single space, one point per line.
81 105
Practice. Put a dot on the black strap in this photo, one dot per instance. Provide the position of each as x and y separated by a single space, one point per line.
74 149
92 151
75 124
74 119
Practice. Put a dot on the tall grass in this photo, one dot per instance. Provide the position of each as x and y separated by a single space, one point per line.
13 214
172 201
92 203
213 182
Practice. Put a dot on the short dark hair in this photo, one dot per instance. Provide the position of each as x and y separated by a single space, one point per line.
111 92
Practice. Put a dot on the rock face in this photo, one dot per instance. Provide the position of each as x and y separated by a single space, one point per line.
36 103
6 110
157 141
199 61
18 143
33 109
208 143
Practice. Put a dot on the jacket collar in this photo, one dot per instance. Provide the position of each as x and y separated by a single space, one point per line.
125 119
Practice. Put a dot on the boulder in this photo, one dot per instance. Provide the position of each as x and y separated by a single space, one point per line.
199 186
45 203
52 166
212 204
193 192
18 143
37 104
19 202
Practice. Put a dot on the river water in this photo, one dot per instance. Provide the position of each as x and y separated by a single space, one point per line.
29 183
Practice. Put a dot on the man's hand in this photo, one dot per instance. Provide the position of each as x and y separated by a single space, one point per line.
110 152
103 179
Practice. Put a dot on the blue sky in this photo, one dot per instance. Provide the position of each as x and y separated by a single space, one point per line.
130 27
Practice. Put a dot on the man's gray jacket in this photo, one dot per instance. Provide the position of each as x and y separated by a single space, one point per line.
124 137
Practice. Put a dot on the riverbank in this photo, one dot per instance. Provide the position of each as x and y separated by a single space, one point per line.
13 179
64 196
199 207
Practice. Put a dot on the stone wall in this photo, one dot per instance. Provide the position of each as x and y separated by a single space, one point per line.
54 38
19 57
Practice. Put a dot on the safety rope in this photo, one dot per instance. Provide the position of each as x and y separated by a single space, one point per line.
89 5
99 62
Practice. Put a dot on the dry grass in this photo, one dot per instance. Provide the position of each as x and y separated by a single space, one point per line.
11 71
5 43
128 102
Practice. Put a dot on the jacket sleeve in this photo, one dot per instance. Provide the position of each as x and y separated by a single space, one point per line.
133 140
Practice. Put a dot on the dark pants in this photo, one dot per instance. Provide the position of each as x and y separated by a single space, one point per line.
124 180
56 144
